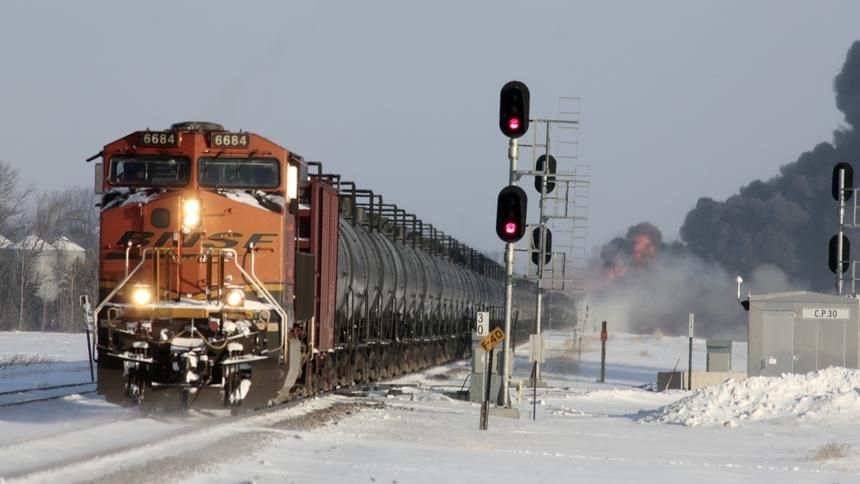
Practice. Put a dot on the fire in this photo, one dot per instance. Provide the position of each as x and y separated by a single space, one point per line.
625 257
614 272
643 249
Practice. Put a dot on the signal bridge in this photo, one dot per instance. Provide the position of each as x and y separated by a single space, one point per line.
557 243
563 203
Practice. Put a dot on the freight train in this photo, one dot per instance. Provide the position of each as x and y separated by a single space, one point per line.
232 272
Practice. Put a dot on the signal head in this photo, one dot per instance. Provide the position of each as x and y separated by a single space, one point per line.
550 173
511 214
514 109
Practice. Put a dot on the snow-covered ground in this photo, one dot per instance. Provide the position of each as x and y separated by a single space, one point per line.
796 429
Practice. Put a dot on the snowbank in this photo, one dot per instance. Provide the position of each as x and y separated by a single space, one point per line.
830 392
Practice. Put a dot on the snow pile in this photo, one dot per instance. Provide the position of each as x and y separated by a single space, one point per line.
823 393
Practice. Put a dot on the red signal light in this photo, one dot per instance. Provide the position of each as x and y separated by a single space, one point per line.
511 213
514 109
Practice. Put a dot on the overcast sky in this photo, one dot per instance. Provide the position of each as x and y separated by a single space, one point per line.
680 99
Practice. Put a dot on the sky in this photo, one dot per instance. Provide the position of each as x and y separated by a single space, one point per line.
679 99
794 428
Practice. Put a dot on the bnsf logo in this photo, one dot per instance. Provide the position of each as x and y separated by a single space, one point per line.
219 240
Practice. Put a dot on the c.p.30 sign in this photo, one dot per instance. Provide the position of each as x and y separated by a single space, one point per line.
825 313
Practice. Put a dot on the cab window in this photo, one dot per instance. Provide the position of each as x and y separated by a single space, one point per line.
238 172
149 170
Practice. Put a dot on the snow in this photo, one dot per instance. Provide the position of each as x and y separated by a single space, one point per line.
63 244
797 428
823 395
140 197
253 199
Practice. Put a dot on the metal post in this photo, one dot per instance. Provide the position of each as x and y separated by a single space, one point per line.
542 248
90 320
537 326
534 392
504 397
603 337
690 367
839 261
690 356
485 403
90 354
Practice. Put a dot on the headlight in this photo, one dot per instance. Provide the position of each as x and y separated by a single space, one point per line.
191 213
235 298
141 295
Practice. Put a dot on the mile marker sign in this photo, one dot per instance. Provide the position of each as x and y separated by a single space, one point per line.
481 323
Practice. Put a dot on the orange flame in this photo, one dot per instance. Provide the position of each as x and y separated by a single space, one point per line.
643 250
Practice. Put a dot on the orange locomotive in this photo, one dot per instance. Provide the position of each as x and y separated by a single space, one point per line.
228 276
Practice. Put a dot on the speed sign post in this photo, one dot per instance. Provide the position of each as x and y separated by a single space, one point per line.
489 342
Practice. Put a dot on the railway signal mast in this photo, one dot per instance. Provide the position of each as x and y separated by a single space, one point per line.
511 208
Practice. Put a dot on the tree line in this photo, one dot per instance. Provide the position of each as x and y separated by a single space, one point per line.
42 269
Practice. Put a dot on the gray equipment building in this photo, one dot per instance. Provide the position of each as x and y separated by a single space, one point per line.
719 355
801 331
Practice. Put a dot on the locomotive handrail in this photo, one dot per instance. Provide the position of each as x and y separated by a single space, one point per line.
258 285
103 303
121 283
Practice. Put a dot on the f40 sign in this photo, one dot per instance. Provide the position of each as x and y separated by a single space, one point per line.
491 340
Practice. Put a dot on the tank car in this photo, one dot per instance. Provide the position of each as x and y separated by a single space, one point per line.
234 273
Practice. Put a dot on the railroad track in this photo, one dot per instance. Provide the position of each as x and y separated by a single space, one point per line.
120 445
11 398
183 443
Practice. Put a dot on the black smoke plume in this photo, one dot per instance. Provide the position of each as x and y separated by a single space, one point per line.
786 221
774 233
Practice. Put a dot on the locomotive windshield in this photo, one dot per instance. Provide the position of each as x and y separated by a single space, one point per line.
239 172
149 170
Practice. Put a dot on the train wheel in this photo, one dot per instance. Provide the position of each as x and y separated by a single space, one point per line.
385 365
361 367
375 365
327 381
345 370
135 384
416 359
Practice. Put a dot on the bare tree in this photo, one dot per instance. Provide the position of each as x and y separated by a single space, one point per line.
8 289
12 200
69 219
42 274
29 268
71 213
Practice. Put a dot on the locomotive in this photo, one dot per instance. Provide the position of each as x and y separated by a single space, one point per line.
232 272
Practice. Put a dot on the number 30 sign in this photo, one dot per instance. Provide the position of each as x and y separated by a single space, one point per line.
482 322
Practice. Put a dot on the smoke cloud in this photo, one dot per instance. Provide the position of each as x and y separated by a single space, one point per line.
774 233
786 221
640 284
